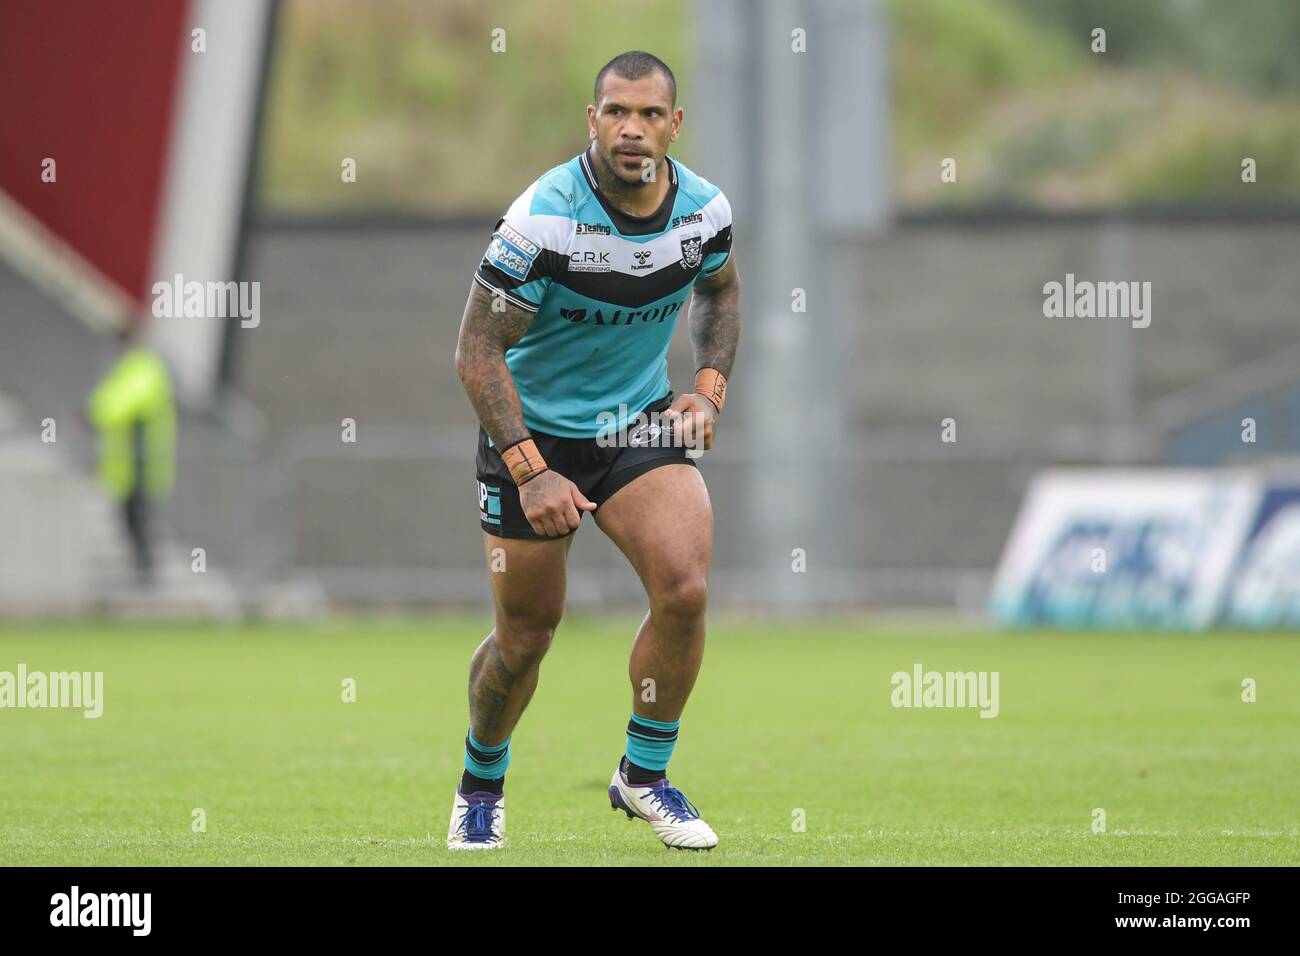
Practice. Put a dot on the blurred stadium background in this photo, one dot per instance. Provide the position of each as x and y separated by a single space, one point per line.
913 452
924 297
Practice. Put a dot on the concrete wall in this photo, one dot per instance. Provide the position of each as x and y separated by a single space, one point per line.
361 323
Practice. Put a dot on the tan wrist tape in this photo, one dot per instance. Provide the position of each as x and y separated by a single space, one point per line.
712 384
524 461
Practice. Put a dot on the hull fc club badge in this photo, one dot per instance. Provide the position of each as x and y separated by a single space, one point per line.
691 251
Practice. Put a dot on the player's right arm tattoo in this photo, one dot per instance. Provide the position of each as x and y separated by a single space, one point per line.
489 327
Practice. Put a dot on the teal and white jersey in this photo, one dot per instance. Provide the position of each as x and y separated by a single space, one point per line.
607 289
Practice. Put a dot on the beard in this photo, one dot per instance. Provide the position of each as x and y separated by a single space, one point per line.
622 175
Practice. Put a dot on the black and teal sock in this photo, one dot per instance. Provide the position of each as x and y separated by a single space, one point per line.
469 783
485 766
650 746
639 776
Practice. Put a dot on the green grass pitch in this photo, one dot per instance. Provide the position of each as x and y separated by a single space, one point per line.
248 724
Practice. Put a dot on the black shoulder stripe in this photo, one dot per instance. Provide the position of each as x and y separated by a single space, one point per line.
522 303
497 278
547 265
720 242
551 263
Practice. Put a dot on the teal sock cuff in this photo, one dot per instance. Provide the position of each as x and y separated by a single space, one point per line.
487 748
650 742
657 724
488 761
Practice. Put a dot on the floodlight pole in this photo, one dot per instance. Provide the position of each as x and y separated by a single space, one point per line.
794 116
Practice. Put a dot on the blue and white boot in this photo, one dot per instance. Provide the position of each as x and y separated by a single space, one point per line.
673 818
478 821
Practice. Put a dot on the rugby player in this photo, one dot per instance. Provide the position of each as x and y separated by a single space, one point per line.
567 329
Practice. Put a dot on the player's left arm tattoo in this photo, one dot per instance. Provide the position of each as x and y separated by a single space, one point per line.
715 318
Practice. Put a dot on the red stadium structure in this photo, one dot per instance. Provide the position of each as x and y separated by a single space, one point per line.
131 162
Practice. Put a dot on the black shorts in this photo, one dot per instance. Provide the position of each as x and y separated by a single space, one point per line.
598 469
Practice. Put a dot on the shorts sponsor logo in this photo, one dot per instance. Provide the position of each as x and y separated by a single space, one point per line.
642 430
489 503
647 433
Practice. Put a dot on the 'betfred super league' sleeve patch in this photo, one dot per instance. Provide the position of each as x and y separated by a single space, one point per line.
512 252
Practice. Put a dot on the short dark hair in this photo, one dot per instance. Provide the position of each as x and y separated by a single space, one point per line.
633 65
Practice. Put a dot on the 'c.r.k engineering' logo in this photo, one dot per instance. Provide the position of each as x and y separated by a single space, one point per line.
589 260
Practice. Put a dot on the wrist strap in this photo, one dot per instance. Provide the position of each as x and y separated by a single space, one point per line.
712 384
524 460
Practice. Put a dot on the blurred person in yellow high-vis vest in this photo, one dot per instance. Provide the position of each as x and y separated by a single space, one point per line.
134 413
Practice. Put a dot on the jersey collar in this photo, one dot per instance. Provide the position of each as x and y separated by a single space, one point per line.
634 225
